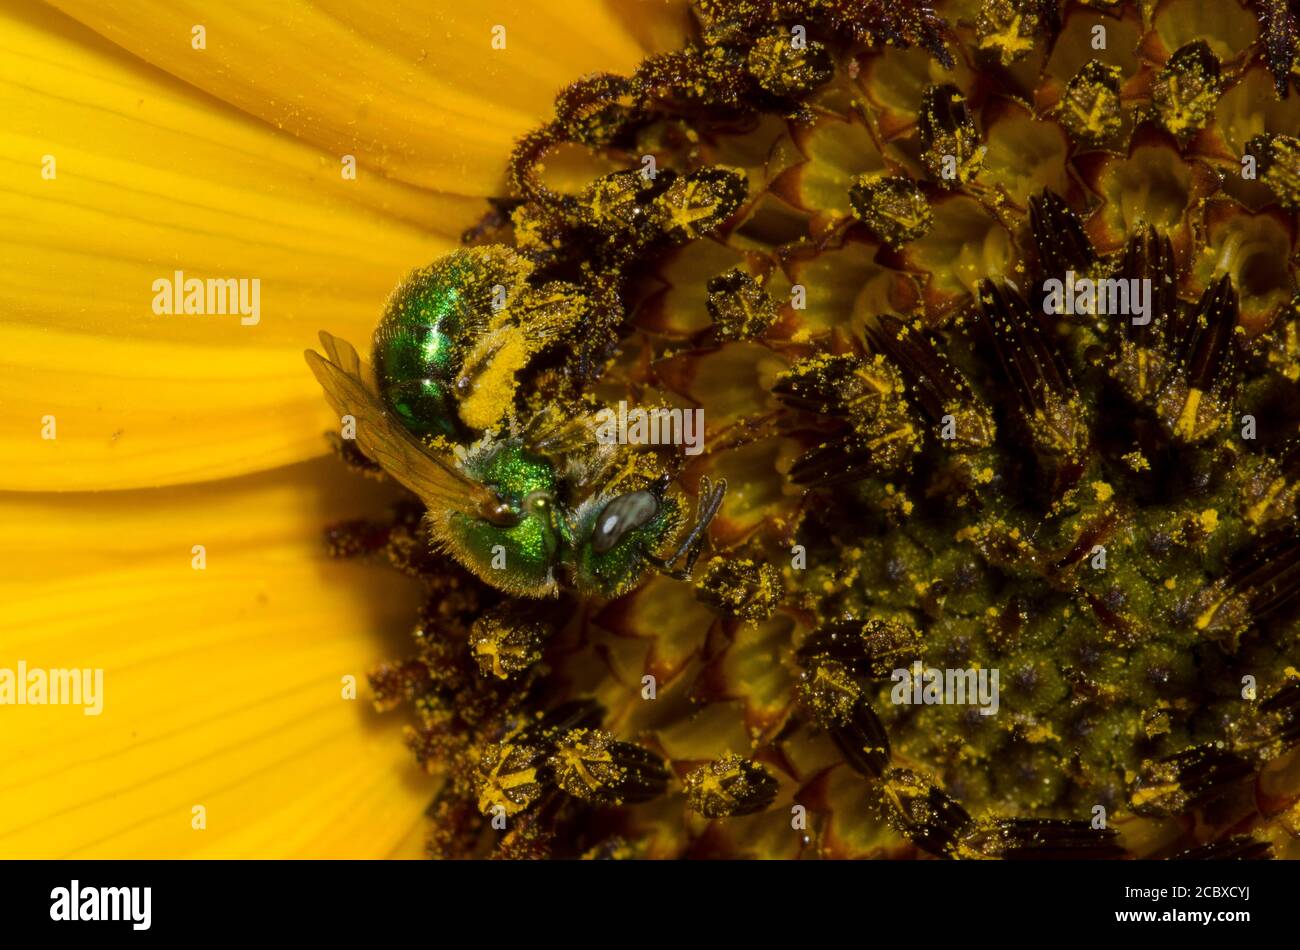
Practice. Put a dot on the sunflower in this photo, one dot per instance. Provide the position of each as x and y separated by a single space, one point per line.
821 222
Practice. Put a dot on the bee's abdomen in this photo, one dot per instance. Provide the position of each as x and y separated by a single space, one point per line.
430 323
415 371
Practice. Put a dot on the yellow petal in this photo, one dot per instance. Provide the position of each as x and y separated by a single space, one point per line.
222 688
150 178
413 89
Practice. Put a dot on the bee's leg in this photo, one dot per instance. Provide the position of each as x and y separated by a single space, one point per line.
401 538
710 500
361 537
664 566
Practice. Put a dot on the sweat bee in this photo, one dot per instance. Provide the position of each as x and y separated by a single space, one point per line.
510 508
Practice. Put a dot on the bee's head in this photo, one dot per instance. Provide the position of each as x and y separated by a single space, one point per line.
616 536
513 541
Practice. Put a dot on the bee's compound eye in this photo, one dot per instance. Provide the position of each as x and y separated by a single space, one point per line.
625 513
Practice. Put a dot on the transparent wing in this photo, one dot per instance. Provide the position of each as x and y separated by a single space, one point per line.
438 483
558 433
570 439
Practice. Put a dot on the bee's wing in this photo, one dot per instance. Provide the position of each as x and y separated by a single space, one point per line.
438 483
571 440
552 432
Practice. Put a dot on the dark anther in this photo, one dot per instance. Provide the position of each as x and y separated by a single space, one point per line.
924 812
1187 779
1150 256
1039 839
1268 575
1207 345
938 387
1279 26
1028 360
1236 848
594 766
1059 236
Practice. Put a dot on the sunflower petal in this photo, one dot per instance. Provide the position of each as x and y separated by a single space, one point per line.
222 687
420 96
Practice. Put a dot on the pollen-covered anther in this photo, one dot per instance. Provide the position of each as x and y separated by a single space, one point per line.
729 787
1054 415
616 205
1175 783
507 777
1091 110
1187 89
818 383
836 700
1039 839
506 642
1007 27
876 647
950 143
890 645
1272 491
713 74
784 68
924 812
870 395
1261 580
878 411
739 306
394 683
1143 360
938 387
829 690
1281 713
1278 158
893 207
1196 401
741 587
700 202
592 765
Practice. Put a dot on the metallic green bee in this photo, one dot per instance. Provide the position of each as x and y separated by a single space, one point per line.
510 509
